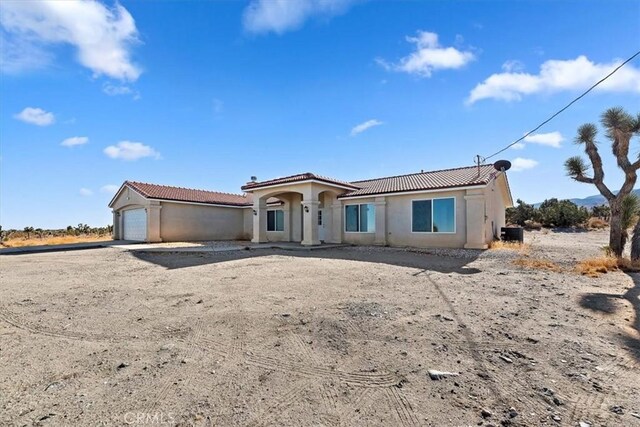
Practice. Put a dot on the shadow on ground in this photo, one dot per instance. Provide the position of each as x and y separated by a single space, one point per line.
401 258
609 304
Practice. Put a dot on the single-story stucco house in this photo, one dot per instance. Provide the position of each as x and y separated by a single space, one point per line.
456 208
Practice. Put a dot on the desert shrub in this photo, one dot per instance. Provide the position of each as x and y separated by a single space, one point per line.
597 223
562 213
521 213
601 211
532 225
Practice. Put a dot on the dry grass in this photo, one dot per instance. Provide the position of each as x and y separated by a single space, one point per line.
509 246
597 223
595 267
537 264
61 240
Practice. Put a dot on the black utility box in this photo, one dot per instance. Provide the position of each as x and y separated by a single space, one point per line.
512 234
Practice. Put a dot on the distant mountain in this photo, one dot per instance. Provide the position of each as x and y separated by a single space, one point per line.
591 201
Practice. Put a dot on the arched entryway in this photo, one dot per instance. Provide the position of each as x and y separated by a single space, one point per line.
311 212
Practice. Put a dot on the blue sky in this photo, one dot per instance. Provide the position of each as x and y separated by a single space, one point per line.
206 94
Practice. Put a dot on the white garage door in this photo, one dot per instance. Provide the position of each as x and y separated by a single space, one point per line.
135 224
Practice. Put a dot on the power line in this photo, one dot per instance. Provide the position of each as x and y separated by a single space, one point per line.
566 106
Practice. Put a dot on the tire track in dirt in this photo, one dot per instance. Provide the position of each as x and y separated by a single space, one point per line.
584 407
360 379
11 319
269 415
298 343
402 407
619 364
363 398
163 389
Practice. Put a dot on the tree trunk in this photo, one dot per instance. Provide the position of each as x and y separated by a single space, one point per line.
635 243
615 231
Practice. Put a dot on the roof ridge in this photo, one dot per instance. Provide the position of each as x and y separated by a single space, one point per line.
187 188
417 173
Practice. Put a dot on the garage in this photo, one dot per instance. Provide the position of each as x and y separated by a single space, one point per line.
152 213
135 224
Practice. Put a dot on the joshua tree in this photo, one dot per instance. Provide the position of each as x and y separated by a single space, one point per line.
630 205
619 127
635 243
28 230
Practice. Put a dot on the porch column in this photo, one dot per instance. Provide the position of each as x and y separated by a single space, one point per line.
336 222
310 222
259 221
381 221
286 213
116 225
476 220
153 222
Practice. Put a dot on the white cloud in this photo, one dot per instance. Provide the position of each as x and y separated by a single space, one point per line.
518 146
129 150
86 192
556 76
102 36
429 56
114 90
36 116
18 56
279 16
109 189
520 164
512 65
551 139
75 140
364 126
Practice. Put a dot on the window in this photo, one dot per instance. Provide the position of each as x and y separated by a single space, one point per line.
275 220
360 218
433 216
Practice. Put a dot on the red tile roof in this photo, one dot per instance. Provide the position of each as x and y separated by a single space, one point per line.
165 192
433 180
296 178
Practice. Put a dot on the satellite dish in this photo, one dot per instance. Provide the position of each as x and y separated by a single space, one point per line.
502 165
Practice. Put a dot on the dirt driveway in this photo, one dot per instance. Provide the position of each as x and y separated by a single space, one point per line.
331 337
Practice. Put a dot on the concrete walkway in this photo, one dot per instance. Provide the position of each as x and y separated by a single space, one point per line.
232 246
66 247
150 247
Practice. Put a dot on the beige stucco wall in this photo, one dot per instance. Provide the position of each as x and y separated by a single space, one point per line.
129 199
181 221
247 216
399 232
498 199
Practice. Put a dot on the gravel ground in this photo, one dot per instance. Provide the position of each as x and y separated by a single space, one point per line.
343 336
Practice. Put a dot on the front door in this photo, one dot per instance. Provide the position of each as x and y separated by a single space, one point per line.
320 225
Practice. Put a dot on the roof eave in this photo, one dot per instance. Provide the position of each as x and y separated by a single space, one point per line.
259 186
414 191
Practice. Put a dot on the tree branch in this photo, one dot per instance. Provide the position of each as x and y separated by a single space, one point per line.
598 173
